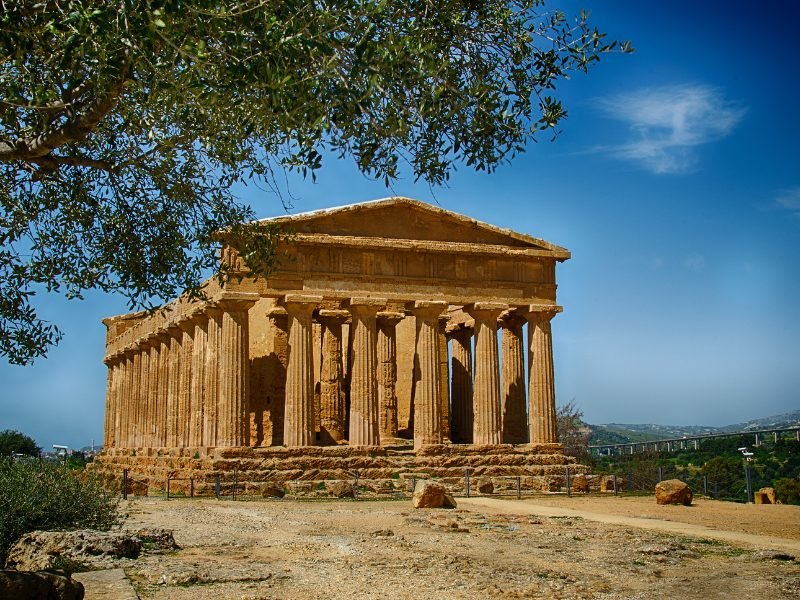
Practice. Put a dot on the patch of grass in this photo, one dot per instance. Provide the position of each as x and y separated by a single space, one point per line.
69 565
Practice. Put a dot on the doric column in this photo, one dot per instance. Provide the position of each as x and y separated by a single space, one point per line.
107 436
427 376
211 373
515 417
333 415
278 362
199 343
174 386
141 403
163 389
541 394
364 420
387 373
298 423
234 373
124 401
444 377
487 423
151 430
462 417
185 398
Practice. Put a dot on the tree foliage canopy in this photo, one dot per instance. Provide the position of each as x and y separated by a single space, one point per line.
16 442
124 125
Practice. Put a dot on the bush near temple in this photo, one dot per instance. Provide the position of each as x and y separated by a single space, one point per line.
46 496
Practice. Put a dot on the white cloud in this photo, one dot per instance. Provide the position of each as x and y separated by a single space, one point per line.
789 200
667 124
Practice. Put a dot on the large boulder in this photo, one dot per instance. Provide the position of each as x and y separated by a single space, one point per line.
673 491
765 495
45 585
428 494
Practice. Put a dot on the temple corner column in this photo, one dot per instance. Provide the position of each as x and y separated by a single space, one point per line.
541 383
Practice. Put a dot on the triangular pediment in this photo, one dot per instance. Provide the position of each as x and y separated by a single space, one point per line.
407 219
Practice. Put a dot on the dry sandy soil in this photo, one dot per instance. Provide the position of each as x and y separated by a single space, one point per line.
552 547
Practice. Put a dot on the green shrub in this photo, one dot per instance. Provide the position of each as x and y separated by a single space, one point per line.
787 490
43 495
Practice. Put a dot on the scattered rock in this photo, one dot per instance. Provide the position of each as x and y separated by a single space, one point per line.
673 491
428 494
773 555
765 495
155 539
485 486
40 550
272 490
43 585
383 533
341 489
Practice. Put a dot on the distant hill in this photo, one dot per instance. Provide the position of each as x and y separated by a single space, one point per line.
618 433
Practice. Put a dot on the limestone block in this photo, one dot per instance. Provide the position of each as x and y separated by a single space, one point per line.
272 490
485 486
428 494
340 489
673 491
579 483
765 495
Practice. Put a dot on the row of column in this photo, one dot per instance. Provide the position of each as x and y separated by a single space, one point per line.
482 413
183 386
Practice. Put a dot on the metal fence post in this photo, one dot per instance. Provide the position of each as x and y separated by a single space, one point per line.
355 485
660 474
749 488
217 486
569 483
235 481
705 485
616 489
124 484
191 487
466 481
413 484
519 490
167 488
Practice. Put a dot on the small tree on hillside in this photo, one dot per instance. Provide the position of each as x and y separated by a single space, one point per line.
15 442
573 433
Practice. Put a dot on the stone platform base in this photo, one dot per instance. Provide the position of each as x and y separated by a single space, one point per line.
304 471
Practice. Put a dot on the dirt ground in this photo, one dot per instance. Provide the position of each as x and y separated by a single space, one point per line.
487 548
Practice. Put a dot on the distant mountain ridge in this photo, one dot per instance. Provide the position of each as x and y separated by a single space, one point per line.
619 433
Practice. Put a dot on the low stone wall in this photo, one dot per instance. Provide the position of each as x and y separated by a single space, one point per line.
305 471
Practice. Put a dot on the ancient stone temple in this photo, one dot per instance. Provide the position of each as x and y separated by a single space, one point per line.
372 345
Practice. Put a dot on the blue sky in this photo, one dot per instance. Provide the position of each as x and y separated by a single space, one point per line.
676 185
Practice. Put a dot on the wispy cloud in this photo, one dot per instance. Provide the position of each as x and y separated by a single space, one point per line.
666 124
789 200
